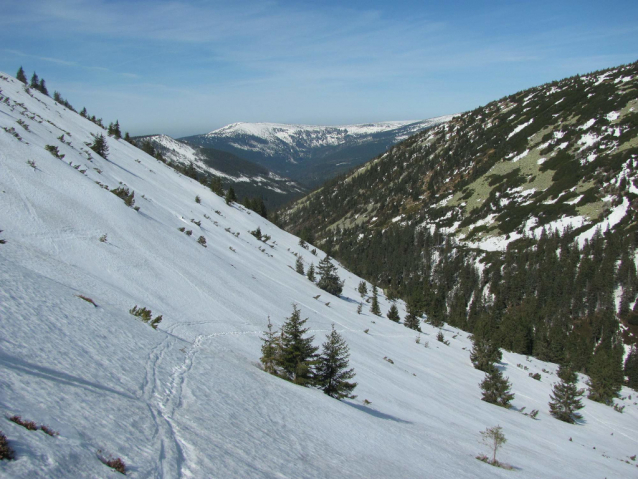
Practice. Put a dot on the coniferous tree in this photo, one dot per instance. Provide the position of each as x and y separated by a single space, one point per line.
117 133
604 381
484 354
99 146
332 369
565 400
298 356
362 289
496 389
35 81
329 280
230 195
311 272
412 318
631 368
84 113
20 76
393 313
299 265
42 88
374 307
216 186
270 349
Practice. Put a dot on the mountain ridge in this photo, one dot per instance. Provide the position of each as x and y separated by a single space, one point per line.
310 153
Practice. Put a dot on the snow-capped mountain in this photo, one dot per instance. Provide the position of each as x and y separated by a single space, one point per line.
188 399
310 153
247 178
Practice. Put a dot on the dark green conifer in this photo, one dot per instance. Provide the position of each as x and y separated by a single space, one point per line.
631 368
329 280
298 355
374 307
484 354
230 195
42 88
605 381
393 313
565 400
362 289
311 272
299 265
21 76
99 146
35 81
216 186
333 374
496 389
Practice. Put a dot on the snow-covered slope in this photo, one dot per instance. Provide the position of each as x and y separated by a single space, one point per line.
308 152
247 178
188 400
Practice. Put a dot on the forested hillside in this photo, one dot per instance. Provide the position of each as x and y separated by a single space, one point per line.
515 221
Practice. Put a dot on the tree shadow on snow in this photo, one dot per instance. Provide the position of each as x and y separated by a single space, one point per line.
19 365
375 413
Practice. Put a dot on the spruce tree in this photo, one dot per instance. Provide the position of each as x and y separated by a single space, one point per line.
311 272
20 76
270 349
631 368
298 355
117 133
412 319
362 289
393 314
43 88
496 389
374 307
330 280
216 186
604 381
299 265
565 400
332 370
484 354
230 195
35 81
99 146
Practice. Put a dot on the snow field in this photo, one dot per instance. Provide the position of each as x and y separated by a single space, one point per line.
187 400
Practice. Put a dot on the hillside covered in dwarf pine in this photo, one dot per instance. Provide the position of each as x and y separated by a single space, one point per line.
515 221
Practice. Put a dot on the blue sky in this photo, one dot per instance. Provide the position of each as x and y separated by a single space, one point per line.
188 67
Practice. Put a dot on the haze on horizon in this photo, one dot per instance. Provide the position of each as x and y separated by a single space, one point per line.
184 68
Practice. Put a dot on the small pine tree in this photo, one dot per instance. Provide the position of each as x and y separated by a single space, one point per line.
362 289
299 265
230 195
35 81
496 389
311 272
298 355
42 88
484 354
20 76
270 349
84 113
393 314
99 146
359 308
374 307
330 280
216 186
412 318
631 368
332 369
565 400
117 133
